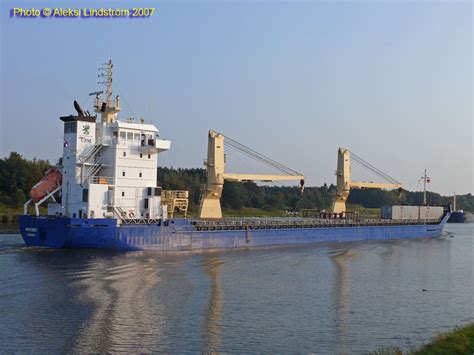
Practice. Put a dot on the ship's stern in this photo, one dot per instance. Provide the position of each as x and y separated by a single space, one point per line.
44 231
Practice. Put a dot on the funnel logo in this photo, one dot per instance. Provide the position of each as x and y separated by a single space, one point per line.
85 130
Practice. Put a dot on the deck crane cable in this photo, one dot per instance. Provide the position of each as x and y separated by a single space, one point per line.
377 171
381 175
249 154
361 162
259 157
252 153
385 176
371 170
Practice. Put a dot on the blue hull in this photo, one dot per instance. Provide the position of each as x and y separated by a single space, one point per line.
180 234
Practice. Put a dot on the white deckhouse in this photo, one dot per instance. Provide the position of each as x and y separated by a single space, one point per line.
109 167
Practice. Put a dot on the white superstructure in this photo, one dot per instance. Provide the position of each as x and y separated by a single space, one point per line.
110 166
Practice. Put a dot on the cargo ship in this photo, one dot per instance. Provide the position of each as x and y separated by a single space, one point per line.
104 194
457 216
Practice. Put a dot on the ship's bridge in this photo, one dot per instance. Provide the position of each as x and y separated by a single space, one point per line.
145 136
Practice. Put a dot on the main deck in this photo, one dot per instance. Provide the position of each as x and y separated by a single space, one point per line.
295 223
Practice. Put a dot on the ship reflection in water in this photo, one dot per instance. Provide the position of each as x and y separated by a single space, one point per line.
341 260
340 298
212 330
119 289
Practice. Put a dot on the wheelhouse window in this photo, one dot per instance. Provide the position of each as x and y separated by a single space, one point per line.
130 136
122 135
70 127
136 136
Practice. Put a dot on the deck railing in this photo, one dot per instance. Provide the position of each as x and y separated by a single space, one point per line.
104 180
300 223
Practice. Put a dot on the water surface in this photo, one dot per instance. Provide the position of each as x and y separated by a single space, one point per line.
332 298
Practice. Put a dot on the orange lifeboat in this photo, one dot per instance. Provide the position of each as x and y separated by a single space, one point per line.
50 181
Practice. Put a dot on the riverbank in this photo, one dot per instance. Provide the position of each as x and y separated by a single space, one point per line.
459 341
9 215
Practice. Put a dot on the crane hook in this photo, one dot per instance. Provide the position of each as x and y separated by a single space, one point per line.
302 186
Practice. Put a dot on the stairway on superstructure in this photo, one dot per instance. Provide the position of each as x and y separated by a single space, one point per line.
90 161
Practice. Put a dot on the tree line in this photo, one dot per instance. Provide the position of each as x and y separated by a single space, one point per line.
18 175
248 194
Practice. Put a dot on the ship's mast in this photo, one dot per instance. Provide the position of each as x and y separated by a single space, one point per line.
108 81
107 111
426 180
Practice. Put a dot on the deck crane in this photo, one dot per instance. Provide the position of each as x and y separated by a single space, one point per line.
210 205
344 183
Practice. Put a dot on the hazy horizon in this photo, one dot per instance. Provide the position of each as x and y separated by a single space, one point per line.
391 81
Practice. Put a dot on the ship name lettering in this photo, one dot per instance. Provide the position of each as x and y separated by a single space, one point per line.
85 140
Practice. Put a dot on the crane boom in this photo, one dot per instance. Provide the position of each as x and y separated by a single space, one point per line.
210 204
373 185
344 183
264 178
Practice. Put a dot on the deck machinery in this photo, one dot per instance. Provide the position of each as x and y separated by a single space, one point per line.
210 205
345 184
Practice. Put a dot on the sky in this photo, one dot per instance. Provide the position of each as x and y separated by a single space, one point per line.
390 80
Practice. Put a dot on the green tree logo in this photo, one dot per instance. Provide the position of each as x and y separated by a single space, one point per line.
85 130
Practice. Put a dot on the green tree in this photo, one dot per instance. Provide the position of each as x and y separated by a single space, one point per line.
17 177
234 195
255 195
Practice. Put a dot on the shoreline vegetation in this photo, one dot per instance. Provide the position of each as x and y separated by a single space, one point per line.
456 342
18 175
